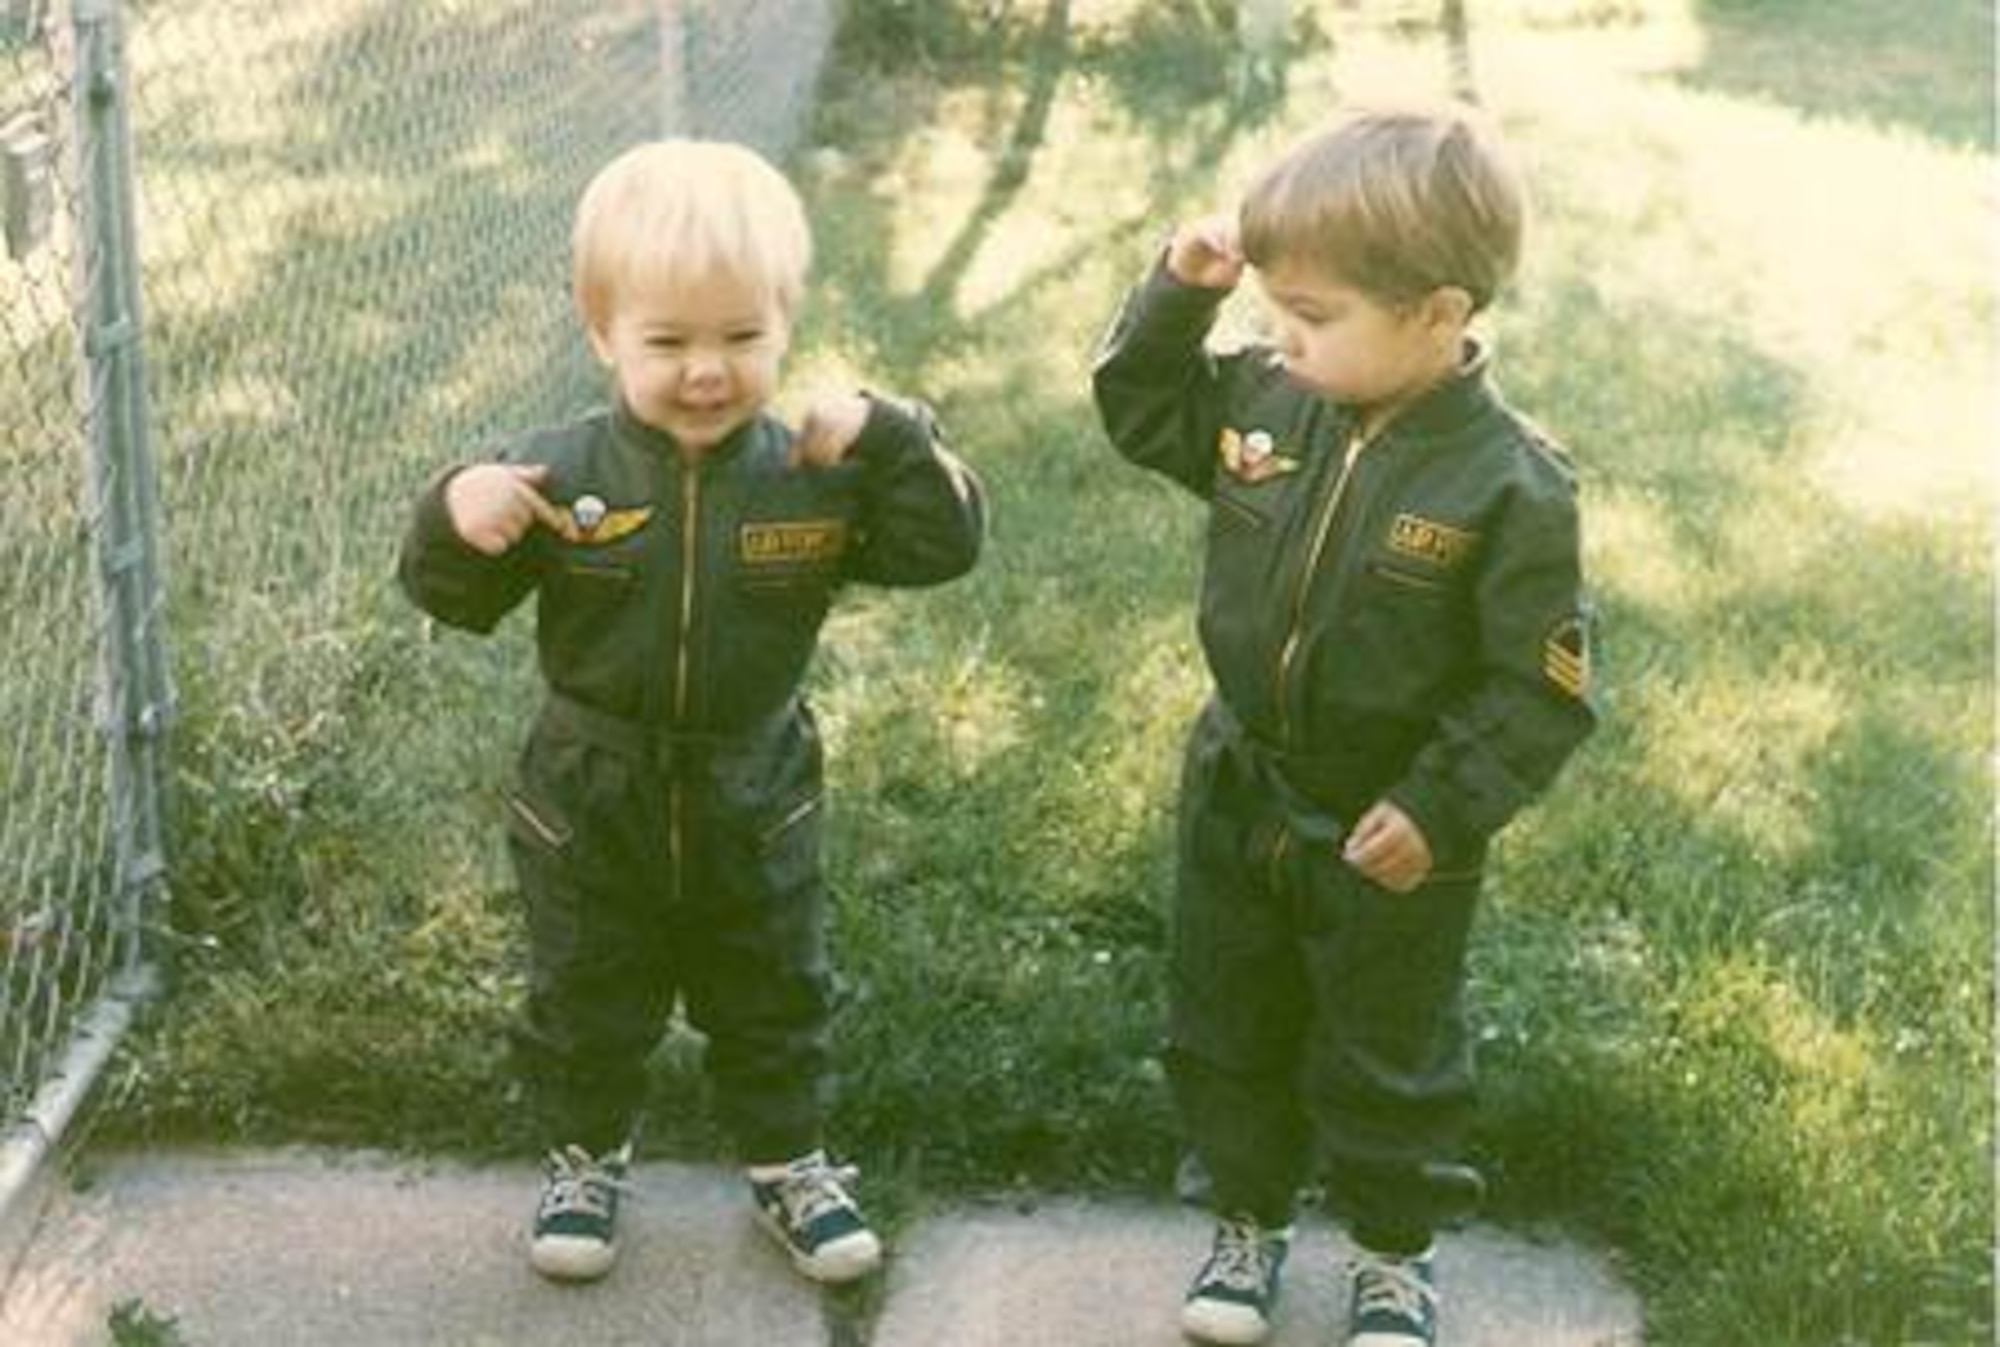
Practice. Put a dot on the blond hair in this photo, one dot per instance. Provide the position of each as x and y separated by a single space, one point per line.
672 209
1395 202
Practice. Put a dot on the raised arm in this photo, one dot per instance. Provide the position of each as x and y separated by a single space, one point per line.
923 511
1160 392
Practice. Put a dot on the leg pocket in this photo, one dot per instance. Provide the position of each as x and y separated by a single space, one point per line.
1390 1066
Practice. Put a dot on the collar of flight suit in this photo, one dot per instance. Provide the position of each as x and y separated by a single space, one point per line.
653 440
1457 402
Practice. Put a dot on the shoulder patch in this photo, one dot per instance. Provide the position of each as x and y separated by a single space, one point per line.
1254 456
597 523
1566 657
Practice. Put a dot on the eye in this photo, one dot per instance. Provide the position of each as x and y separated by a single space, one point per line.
748 336
666 341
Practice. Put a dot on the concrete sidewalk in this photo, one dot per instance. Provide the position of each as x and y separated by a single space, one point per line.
271 1248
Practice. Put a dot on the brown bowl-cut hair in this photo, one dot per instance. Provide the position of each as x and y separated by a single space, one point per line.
1397 202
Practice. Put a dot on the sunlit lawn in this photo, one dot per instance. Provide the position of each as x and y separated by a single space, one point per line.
1734 981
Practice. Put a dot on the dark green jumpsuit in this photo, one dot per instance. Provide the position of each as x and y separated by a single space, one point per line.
666 824
1404 620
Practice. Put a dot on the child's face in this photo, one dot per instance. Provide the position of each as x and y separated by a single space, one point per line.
697 358
1351 347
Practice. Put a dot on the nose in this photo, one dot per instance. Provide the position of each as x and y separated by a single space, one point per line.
703 367
1288 341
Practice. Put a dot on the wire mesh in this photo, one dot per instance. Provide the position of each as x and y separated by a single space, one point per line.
352 220
57 944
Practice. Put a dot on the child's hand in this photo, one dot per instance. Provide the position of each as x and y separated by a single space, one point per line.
829 430
1389 848
492 505
1207 253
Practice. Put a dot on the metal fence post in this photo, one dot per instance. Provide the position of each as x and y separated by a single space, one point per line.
136 690
673 70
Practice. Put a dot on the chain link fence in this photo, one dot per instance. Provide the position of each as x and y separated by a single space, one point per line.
349 221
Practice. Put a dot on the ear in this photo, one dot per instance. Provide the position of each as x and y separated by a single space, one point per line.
1447 309
600 342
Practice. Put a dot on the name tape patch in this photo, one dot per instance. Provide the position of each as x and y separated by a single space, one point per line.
1427 540
793 543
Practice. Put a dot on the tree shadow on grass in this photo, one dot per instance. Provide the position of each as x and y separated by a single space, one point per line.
369 280
1928 68
409 299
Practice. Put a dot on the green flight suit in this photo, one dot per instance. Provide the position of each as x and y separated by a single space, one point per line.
666 824
1401 620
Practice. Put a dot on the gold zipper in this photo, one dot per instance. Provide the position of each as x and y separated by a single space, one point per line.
1290 649
1275 862
690 522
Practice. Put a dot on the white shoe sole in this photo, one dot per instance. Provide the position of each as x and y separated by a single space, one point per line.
844 1260
571 1258
1222 1323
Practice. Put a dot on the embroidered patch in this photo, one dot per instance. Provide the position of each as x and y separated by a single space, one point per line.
1253 456
804 541
1427 540
1566 657
597 523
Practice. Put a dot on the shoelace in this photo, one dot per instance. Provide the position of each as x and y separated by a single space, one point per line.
1238 1260
1392 1286
578 1182
814 1187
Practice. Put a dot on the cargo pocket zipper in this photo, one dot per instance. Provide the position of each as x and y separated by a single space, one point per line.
552 837
797 815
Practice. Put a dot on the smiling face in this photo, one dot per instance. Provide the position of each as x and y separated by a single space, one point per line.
689 261
696 357
1352 347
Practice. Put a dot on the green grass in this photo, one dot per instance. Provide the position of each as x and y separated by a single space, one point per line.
1734 978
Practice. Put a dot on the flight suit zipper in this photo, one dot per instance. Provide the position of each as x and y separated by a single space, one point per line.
1275 862
690 554
1323 530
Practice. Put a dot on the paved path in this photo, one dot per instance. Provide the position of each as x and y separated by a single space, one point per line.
272 1248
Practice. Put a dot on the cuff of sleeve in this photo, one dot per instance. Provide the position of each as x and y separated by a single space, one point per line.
432 524
1436 813
1168 298
893 433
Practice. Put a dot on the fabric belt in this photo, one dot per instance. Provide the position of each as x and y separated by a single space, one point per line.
671 752
1322 781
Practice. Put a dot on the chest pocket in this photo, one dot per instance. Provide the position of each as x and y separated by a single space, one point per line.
1412 629
1237 508
1417 583
600 574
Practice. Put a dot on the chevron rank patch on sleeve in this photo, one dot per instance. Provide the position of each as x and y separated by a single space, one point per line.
1566 657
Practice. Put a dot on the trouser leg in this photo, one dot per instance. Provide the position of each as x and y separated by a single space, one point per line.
1238 996
1388 1075
600 985
758 980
